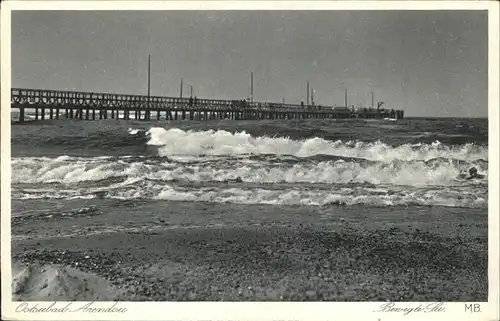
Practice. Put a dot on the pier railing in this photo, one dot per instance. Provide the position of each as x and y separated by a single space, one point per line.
239 109
109 100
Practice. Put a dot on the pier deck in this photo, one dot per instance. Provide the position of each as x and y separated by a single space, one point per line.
55 104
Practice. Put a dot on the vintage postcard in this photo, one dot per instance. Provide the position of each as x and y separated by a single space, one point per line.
267 160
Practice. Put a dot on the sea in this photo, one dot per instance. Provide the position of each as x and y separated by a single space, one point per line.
310 162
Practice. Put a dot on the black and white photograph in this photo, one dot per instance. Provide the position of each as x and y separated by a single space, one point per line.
249 155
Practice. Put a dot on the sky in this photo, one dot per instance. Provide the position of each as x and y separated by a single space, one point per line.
428 63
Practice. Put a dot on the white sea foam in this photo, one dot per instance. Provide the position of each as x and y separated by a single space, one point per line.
419 174
174 141
133 131
66 170
330 182
452 197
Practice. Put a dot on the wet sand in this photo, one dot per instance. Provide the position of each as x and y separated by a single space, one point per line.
184 251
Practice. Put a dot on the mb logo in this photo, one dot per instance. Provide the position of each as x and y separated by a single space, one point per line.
476 307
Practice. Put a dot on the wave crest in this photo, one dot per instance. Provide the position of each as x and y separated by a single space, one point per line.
65 170
177 142
347 196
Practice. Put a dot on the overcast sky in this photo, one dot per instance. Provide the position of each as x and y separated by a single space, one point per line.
429 63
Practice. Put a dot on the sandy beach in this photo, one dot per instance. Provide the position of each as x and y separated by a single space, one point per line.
227 252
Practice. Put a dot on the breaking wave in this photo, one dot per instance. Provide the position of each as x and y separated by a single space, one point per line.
174 141
373 196
73 170
224 167
247 181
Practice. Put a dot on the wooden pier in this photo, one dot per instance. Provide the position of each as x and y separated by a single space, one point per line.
55 104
